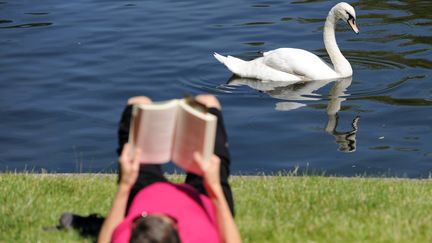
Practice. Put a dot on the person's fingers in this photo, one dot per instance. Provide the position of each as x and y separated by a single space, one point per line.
214 164
139 100
208 100
137 155
197 156
199 160
216 158
125 153
136 159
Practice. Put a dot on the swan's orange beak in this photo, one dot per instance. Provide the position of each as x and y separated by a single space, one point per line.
353 25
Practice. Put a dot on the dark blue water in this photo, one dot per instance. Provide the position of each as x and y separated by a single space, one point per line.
68 67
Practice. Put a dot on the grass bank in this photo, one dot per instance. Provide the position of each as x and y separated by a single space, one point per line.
268 208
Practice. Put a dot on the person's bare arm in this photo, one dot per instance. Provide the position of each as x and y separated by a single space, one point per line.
211 173
129 173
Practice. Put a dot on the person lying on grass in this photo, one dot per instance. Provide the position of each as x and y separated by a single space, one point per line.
148 208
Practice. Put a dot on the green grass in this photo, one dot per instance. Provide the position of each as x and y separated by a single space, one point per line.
268 208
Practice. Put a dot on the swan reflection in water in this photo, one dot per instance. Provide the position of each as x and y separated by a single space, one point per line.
304 91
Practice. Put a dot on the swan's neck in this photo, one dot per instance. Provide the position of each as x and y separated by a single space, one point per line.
340 63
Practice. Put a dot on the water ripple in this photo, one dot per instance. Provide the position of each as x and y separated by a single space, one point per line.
257 23
388 89
396 101
5 21
37 13
371 62
31 25
383 59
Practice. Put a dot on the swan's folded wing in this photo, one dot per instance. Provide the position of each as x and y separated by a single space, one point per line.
280 59
298 62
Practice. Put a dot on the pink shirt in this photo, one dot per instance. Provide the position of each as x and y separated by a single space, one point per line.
194 212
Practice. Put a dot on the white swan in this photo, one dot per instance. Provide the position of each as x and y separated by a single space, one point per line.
293 65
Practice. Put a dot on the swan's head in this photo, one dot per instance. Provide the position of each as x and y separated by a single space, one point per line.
347 13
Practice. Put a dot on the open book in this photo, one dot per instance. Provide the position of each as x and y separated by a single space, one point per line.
173 131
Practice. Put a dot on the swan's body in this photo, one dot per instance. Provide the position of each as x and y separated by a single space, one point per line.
293 65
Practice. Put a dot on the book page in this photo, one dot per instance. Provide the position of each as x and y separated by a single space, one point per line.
195 131
152 130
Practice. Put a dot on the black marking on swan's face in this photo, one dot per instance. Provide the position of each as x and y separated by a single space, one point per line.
351 21
349 15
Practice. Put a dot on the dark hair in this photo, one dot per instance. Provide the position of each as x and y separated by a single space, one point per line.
153 229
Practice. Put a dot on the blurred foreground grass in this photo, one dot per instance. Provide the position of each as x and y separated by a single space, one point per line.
268 208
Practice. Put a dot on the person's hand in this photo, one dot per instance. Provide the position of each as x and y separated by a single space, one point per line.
211 173
129 163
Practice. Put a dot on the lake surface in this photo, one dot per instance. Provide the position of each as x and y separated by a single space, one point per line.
68 67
